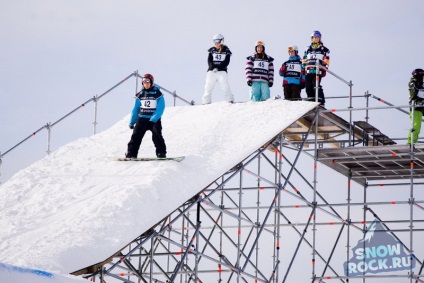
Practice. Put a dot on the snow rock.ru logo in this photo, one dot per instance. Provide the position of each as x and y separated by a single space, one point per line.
378 252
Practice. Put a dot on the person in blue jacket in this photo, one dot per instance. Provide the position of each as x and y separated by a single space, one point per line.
146 116
294 75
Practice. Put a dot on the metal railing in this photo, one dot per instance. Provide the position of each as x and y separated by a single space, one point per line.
173 93
367 95
48 126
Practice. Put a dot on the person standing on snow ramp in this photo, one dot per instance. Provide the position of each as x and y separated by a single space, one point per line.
218 61
294 75
146 116
259 73
316 53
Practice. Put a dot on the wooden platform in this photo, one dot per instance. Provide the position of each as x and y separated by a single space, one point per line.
332 130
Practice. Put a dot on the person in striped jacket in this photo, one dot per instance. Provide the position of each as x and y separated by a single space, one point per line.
260 73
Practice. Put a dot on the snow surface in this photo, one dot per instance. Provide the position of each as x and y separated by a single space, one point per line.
76 207
12 274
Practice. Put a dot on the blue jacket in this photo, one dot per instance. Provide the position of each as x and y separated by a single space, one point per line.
293 71
149 103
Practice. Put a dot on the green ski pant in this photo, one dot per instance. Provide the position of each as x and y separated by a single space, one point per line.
416 120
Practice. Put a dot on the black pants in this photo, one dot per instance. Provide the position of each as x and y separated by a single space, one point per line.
292 92
141 127
310 88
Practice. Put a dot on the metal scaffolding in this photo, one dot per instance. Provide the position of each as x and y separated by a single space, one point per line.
279 216
269 219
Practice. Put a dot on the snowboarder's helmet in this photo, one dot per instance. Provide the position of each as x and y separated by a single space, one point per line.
259 43
148 77
292 48
217 38
316 33
418 73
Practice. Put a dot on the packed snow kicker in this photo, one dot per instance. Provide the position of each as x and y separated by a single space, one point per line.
76 207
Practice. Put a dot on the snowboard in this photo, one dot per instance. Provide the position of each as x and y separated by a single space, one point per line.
178 159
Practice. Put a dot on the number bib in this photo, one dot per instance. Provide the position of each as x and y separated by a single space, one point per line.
148 104
263 65
420 93
219 57
294 68
314 56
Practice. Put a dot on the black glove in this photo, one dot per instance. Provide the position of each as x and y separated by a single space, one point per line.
131 127
302 85
270 84
249 83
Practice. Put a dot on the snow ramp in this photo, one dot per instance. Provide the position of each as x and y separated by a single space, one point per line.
77 207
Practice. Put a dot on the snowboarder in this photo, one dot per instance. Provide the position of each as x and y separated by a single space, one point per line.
416 97
146 116
259 73
316 52
218 61
294 75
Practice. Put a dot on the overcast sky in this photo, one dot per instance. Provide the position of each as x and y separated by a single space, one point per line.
57 54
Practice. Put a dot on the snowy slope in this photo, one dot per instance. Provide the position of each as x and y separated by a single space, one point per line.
76 207
10 274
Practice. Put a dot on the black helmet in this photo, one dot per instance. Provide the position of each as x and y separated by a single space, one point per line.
418 73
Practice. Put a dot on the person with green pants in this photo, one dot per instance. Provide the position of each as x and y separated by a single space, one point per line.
416 97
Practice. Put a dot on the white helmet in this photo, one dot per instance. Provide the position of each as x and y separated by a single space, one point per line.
218 38
292 47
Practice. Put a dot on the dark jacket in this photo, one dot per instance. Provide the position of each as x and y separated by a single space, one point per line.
219 59
416 93
293 71
316 53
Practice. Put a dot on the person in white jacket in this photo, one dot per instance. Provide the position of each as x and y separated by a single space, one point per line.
218 61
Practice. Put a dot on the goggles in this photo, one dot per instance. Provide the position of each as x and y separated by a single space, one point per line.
290 49
146 80
217 40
